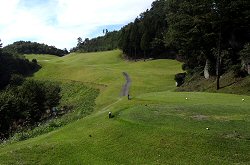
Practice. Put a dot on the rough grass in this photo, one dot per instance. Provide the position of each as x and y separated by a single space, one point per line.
158 126
228 84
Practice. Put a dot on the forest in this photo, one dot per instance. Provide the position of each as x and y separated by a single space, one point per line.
101 43
27 47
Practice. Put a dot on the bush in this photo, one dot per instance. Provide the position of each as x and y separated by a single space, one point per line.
184 66
180 78
34 61
16 80
245 53
238 71
26 105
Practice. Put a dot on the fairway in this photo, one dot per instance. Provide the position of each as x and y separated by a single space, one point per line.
157 126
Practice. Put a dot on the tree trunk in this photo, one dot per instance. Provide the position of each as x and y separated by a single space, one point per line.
144 54
218 73
218 65
135 55
206 70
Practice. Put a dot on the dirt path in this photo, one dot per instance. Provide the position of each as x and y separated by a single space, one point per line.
125 88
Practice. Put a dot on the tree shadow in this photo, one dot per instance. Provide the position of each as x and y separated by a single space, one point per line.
228 85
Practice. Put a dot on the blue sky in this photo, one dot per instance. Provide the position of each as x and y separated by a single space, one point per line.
61 22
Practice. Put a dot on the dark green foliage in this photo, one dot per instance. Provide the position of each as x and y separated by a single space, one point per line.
107 42
27 47
25 105
145 36
245 53
10 64
180 78
198 28
34 61
16 80
238 71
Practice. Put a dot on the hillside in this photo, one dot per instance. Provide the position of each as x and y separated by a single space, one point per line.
27 47
158 126
229 83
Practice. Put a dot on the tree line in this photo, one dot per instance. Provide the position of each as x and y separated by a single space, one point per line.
102 43
27 47
11 64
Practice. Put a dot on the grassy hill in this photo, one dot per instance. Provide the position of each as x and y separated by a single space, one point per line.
158 126
229 83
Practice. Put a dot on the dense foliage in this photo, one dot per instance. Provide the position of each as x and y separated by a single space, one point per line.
213 30
145 36
245 53
196 30
10 64
27 47
25 105
107 42
22 102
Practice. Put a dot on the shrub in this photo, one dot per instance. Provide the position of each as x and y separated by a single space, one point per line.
26 105
180 78
16 80
238 71
34 61
184 66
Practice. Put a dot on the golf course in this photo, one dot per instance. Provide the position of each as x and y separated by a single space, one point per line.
158 125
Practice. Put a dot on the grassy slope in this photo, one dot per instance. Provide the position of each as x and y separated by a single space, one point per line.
157 126
228 84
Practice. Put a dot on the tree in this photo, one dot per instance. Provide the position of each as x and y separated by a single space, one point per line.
145 43
135 37
107 42
245 53
0 47
65 51
79 42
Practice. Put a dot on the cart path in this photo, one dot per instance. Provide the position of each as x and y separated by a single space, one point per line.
125 88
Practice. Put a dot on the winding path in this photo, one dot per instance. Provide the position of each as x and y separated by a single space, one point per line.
125 88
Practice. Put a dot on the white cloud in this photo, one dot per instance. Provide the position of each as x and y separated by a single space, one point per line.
60 22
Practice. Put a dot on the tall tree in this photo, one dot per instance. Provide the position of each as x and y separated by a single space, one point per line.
135 37
195 25
79 42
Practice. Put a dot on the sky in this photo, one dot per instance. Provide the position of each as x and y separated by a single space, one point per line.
61 22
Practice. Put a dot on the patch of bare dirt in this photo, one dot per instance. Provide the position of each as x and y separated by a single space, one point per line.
200 117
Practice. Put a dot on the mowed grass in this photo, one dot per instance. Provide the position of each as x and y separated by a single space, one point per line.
158 126
104 70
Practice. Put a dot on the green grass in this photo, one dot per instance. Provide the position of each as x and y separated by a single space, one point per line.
158 126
